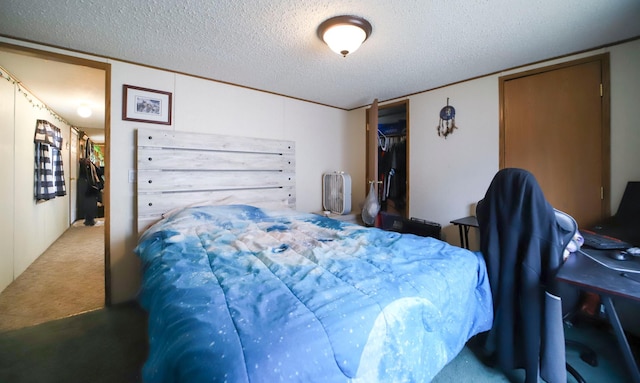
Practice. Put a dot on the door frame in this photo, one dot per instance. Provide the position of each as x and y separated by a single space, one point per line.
106 67
605 123
73 176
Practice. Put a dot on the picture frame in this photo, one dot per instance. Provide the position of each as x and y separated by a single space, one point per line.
146 105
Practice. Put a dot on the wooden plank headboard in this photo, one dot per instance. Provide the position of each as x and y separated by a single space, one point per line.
177 169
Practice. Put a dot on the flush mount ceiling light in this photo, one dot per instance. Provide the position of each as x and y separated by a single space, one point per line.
344 34
84 111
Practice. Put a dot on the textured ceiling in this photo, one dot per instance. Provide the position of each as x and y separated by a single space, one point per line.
272 45
62 87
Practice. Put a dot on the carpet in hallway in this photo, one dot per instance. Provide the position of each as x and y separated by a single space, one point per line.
67 279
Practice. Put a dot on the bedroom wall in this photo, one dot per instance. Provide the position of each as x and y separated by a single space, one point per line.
625 118
7 154
322 144
322 139
448 176
27 228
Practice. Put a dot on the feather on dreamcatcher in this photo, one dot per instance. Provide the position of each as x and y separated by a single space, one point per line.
447 120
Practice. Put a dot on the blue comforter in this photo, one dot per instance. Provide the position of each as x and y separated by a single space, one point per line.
238 294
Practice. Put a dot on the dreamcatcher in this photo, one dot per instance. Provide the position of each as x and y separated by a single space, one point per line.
447 120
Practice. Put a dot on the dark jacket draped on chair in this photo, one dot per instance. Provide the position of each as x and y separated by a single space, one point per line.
521 244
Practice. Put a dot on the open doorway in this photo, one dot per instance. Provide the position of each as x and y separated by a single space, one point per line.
54 280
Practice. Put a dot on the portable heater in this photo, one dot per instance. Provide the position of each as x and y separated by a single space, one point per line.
336 192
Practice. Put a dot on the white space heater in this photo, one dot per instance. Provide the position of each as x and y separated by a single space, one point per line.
336 192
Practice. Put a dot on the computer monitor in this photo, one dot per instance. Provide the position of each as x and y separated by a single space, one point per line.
629 208
625 225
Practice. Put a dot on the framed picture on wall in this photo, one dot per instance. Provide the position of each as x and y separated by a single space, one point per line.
146 105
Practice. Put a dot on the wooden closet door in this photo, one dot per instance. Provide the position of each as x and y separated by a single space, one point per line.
553 126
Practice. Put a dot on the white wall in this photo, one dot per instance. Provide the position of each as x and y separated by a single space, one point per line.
448 176
625 118
7 159
322 144
27 228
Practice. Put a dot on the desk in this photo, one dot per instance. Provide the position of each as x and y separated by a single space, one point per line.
463 226
582 271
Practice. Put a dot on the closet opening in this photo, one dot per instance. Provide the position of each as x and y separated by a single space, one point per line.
388 154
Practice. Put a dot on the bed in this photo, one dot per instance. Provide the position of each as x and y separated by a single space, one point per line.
256 292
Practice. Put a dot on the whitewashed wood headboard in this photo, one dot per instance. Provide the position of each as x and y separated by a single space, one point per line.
177 169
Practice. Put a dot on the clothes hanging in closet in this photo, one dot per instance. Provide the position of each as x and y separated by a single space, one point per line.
392 170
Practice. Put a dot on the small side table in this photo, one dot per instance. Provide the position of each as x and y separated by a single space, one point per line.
463 226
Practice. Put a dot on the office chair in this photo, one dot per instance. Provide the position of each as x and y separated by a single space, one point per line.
522 238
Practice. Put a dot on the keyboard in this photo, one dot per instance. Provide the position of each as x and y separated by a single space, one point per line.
602 242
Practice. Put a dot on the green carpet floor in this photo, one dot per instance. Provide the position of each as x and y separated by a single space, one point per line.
106 345
596 335
110 345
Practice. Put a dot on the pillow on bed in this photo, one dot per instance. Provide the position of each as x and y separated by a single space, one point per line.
233 200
